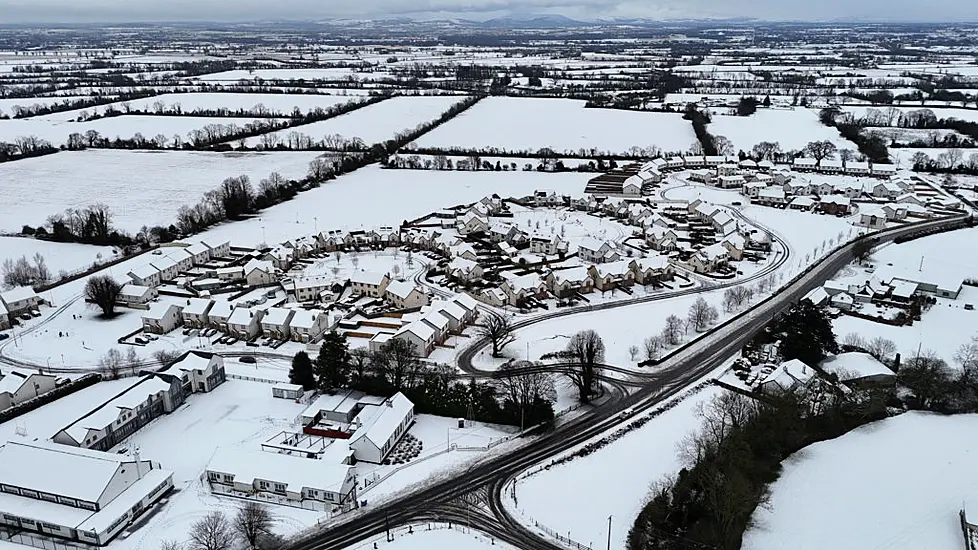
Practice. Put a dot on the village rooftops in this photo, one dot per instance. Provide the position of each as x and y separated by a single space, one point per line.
420 329
17 294
197 306
306 319
192 360
368 278
856 364
12 381
221 309
277 316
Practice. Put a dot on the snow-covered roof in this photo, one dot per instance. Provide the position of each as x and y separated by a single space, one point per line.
370 278
450 309
526 282
144 271
465 301
714 251
294 472
277 316
13 381
837 199
856 364
802 201
163 263
221 309
196 249
771 192
158 312
306 319
260 265
197 306
379 422
342 401
789 374
58 469
420 329
242 316
17 294
436 320
591 244
613 268
192 360
458 263
133 291
651 262
573 275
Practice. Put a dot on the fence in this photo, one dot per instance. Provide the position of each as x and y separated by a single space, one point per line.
409 530
254 379
38 541
510 489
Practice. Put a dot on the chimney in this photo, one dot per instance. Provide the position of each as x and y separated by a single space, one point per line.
139 466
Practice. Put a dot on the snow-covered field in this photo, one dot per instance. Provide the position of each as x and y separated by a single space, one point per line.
141 188
7 105
280 103
378 122
896 484
433 537
417 193
58 256
56 129
577 497
560 124
293 74
792 128
940 112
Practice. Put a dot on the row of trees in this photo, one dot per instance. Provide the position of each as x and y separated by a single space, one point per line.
24 272
251 524
91 225
950 161
871 144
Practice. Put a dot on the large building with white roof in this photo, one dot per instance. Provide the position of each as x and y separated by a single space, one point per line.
76 494
380 427
19 299
19 386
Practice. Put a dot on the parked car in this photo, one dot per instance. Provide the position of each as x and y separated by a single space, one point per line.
252 344
231 340
4 336
140 341
186 332
247 359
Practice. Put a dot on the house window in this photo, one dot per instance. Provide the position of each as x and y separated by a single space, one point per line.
213 477
329 496
228 478
263 485
279 487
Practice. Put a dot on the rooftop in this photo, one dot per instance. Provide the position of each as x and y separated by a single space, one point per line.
383 419
855 365
294 472
58 469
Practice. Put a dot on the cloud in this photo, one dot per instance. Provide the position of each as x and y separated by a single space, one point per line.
45 11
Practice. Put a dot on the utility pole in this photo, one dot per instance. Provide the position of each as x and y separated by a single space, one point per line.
387 525
609 532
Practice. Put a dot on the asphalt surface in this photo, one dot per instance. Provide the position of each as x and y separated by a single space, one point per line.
444 500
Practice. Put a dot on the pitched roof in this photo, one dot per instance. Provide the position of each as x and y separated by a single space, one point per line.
381 421
58 469
294 472
277 316
857 364
371 278
197 306
306 318
402 289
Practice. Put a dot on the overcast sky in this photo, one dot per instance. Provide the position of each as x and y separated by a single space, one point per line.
46 11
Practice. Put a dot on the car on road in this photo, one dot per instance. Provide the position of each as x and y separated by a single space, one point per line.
247 359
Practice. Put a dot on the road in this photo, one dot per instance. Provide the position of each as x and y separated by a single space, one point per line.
477 489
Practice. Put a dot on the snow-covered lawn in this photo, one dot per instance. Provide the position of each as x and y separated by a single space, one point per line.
577 497
560 124
237 414
895 484
792 128
433 537
373 196
378 122
58 256
140 187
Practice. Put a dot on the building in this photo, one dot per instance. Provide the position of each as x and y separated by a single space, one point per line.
219 249
594 251
309 325
873 218
787 377
19 300
651 270
195 312
18 386
405 295
167 267
836 205
420 334
259 273
287 391
122 415
367 283
462 269
162 318
4 317
76 494
858 370
280 479
218 315
521 288
245 322
199 253
146 275
380 427
276 323
196 372
569 282
612 275
137 295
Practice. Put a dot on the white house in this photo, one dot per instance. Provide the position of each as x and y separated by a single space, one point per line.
136 294
4 317
520 288
76 494
218 315
162 318
731 182
230 274
309 325
245 322
883 170
259 273
19 299
183 259
275 323
473 222
368 283
592 250
465 270
567 282
279 478
787 377
310 289
405 295
168 268
547 245
857 168
196 371
380 427
195 312
887 190
771 196
18 386
873 218
218 248
145 275
420 334
199 253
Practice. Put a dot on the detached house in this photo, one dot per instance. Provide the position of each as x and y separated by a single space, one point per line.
196 371
137 295
836 205
473 222
462 269
405 295
367 283
594 251
259 273
873 218
519 289
162 319
309 325
708 259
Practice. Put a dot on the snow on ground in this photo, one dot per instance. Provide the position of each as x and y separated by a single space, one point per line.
378 122
58 256
7 105
140 187
417 193
620 477
895 484
970 115
56 129
234 76
44 422
792 128
236 414
561 124
433 537
276 103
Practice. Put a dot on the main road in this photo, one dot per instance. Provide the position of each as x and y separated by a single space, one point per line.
473 495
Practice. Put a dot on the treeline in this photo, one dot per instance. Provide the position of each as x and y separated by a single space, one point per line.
870 144
39 109
25 147
89 225
634 152
700 120
476 164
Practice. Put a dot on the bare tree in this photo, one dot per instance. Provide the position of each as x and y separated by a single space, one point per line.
525 388
132 359
672 333
586 351
498 330
253 521
167 544
729 300
397 361
820 150
213 532
165 357
320 169
881 348
633 351
111 363
701 314
854 340
653 347
967 354
102 291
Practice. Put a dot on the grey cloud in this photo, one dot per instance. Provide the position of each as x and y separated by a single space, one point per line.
23 11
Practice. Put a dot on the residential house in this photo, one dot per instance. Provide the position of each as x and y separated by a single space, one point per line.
462 269
857 369
309 325
287 391
909 198
702 176
438 322
473 222
259 273
883 170
195 312
873 218
797 188
651 270
547 198
184 260
369 283
843 301
245 322
857 169
802 203
145 275
311 289
521 288
771 196
709 258
609 276
752 189
218 248
727 169
787 377
168 268
887 190
199 252
837 205
4 317
276 323
405 295
18 386
592 250
803 164
453 312
420 335
230 274
830 166
824 189
162 318
894 211
731 182
135 294
196 372
569 282
735 244
219 314
547 245
465 250
380 427
19 299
